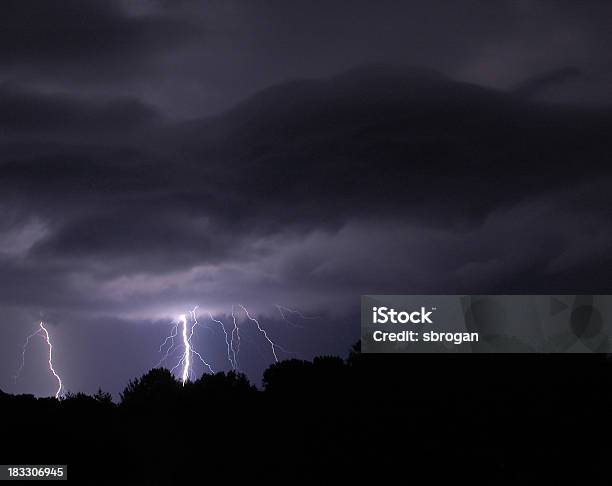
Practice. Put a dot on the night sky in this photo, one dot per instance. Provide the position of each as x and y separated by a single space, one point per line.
157 155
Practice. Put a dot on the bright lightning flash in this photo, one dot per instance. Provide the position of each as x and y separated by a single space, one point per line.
59 380
42 331
236 331
187 344
188 351
184 327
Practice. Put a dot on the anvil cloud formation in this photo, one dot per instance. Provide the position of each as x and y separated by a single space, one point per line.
156 155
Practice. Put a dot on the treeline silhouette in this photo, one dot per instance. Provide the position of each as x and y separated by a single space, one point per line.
504 419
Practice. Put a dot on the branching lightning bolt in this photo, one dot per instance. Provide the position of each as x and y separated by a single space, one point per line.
187 355
193 351
23 352
188 351
237 332
180 340
283 311
41 331
186 330
227 342
263 331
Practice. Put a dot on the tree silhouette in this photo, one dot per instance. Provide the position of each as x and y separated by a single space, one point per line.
291 377
154 388
354 355
223 386
319 417
104 398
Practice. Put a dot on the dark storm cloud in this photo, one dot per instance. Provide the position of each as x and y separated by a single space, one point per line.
97 34
200 57
139 238
374 142
322 185
60 116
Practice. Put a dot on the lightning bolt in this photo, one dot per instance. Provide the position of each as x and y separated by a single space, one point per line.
236 331
227 342
181 337
59 380
187 356
41 331
23 352
263 331
283 311
188 351
193 351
